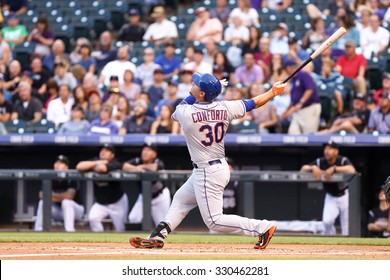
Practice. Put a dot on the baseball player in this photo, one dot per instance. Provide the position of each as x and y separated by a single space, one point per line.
204 123
337 196
111 200
67 205
161 196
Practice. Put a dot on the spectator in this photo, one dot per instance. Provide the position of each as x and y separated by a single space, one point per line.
134 30
248 14
95 105
158 90
62 76
164 123
57 51
263 57
185 84
105 52
249 72
80 97
332 80
104 125
353 67
353 33
380 117
276 5
161 196
11 80
129 88
221 11
189 54
122 112
374 39
265 116
59 109
279 39
169 62
5 54
144 72
162 30
118 66
305 107
77 125
138 122
364 20
17 6
40 76
378 218
90 83
337 196
172 100
111 201
199 64
67 205
75 56
50 94
113 87
385 87
352 122
27 108
236 32
42 36
223 64
296 53
331 9
210 50
315 36
87 61
278 71
253 45
205 28
5 112
113 98
15 33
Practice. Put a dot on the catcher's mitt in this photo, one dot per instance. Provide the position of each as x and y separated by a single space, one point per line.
386 189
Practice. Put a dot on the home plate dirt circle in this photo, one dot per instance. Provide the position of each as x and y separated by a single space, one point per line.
94 251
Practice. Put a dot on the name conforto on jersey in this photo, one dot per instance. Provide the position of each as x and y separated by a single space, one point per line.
210 115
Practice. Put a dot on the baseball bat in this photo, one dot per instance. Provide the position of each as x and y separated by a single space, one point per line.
329 42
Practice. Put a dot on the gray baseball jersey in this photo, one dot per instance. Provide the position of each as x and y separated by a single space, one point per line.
205 125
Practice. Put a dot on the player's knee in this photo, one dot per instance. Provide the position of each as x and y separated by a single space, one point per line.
66 203
135 218
212 222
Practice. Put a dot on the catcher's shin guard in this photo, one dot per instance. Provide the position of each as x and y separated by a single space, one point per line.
265 238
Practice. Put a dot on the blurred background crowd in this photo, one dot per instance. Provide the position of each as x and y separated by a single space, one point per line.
122 66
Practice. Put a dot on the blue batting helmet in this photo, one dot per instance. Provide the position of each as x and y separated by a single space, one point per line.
209 84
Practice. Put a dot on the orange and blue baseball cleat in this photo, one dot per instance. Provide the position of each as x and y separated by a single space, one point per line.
265 238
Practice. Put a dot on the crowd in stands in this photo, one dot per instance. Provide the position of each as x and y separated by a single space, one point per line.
130 80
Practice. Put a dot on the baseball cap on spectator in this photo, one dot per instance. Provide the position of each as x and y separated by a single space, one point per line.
134 12
371 100
172 83
158 11
93 91
114 78
290 62
158 71
12 15
200 10
150 146
360 96
331 144
282 25
109 147
292 40
386 75
63 159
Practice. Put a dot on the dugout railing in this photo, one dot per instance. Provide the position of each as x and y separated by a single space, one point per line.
247 177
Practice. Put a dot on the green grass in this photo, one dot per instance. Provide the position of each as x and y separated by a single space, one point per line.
86 237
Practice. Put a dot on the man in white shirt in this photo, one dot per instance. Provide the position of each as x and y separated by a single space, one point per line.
60 109
374 39
279 39
162 30
118 66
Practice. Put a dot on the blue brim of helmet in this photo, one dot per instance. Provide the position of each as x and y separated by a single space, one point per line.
196 78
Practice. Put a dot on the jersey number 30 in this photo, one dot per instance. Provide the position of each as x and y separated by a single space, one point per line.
212 134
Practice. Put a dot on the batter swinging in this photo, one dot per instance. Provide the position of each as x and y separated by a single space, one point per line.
204 123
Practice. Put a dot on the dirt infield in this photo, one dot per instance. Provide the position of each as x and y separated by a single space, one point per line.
96 251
